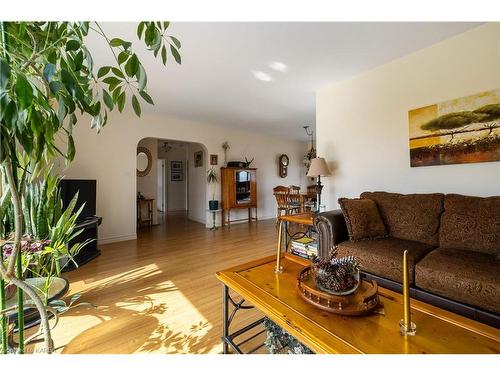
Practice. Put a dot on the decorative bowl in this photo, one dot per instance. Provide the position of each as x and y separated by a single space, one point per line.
355 277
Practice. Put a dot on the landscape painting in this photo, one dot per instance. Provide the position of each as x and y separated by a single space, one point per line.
464 130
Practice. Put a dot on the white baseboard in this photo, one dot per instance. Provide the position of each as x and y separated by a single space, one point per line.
267 217
103 241
197 219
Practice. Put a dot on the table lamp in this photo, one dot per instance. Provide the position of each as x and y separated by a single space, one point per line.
318 169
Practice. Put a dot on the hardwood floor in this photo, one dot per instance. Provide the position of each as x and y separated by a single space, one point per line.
159 293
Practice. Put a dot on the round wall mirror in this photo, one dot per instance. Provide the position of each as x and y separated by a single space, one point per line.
144 161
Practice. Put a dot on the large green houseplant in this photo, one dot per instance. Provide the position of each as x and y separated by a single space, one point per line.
48 82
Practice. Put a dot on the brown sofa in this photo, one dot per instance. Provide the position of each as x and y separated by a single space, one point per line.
453 243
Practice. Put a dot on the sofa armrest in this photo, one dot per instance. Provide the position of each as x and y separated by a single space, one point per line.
331 228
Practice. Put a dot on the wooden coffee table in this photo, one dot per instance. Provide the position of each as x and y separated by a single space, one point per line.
438 331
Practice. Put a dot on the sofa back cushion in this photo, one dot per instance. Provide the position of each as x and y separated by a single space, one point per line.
471 223
413 217
362 218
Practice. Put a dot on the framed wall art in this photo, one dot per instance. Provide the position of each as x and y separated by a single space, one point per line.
198 159
463 130
176 166
214 159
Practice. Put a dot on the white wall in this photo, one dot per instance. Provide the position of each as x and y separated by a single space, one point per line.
362 123
110 158
197 185
176 190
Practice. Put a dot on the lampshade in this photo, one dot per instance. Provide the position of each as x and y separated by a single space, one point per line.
318 168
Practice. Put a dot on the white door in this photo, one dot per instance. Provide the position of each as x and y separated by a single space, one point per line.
160 196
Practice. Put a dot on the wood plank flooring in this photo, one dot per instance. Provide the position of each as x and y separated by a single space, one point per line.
159 293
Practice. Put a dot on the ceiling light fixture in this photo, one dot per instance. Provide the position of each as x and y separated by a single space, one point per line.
278 66
261 76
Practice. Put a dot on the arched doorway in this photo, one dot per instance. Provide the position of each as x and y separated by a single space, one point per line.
175 183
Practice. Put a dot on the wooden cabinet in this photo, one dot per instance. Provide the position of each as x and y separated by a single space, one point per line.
239 191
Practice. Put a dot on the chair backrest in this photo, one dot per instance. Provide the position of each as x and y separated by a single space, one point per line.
312 191
281 195
280 189
294 189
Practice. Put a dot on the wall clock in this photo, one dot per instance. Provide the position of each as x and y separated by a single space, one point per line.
283 165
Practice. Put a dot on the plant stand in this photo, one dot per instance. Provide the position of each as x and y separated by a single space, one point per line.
58 289
214 215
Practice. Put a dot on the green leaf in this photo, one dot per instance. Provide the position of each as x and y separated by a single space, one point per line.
70 154
132 65
142 78
78 60
165 25
122 57
116 42
72 45
103 71
121 101
24 92
117 72
111 80
4 74
176 41
55 87
140 29
164 55
74 298
49 71
68 81
175 53
136 106
108 100
149 36
57 302
116 94
146 97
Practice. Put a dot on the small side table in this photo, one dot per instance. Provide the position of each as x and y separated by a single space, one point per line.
149 202
214 214
305 218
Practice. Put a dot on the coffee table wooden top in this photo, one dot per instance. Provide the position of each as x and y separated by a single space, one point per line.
438 331
305 218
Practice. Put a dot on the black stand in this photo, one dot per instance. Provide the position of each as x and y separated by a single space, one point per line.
227 318
319 187
89 251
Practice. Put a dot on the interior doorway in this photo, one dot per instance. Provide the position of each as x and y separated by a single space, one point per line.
176 181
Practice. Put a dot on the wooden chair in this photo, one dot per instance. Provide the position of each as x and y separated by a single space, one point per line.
286 202
295 199
312 192
312 196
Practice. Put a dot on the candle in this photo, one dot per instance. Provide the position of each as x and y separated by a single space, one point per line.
278 268
406 293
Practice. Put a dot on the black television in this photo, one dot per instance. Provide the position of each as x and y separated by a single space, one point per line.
86 190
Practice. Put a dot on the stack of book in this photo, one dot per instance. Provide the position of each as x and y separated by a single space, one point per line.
304 247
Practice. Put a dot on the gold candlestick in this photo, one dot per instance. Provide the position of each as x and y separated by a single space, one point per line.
279 268
406 326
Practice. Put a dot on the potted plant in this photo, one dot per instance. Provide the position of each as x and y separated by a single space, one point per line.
48 81
213 179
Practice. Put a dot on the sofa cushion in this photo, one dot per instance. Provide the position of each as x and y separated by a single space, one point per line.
461 275
384 257
471 223
413 217
362 218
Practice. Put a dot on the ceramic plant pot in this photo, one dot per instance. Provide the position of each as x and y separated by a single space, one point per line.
213 205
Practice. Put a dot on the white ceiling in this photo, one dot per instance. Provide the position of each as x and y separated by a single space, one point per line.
215 82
